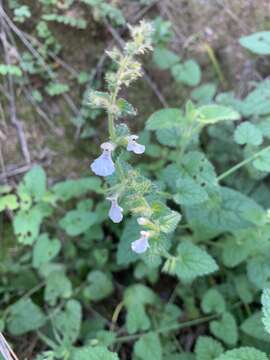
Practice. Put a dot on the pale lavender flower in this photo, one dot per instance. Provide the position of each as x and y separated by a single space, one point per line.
134 146
141 245
115 212
103 165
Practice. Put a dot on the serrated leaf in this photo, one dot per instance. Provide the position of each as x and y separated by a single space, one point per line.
243 353
125 108
58 286
165 58
207 348
99 286
213 302
24 316
169 222
247 133
45 250
211 114
225 329
68 189
188 73
135 299
266 309
253 326
192 261
68 322
258 43
165 119
93 353
76 222
148 347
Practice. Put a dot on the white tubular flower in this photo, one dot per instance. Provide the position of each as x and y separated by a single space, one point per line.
103 165
134 146
141 245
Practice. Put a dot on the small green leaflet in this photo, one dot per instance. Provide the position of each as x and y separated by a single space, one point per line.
93 353
99 286
225 329
188 73
165 119
148 347
258 43
253 326
213 302
165 58
58 286
9 202
34 183
207 348
257 102
76 222
45 250
248 133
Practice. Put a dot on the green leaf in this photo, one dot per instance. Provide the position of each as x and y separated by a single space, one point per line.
58 286
258 270
165 58
243 353
253 326
169 137
100 286
93 353
266 309
34 183
77 222
26 225
24 316
257 102
169 222
68 321
225 329
213 302
211 114
204 94
45 250
125 108
207 348
258 43
165 119
188 73
192 262
69 189
55 89
262 162
10 70
148 347
9 202
247 133
135 299
131 233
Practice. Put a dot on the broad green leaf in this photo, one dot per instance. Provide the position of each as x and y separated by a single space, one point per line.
225 329
192 261
58 286
148 347
24 316
211 114
93 353
257 102
188 73
253 326
165 119
266 310
99 286
258 270
169 137
135 299
34 183
247 133
258 43
76 222
9 202
45 250
26 225
74 188
243 353
68 321
207 348
213 302
165 58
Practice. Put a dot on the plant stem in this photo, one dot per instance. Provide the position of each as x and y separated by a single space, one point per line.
242 163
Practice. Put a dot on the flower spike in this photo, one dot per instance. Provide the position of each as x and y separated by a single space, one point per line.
103 165
141 245
134 146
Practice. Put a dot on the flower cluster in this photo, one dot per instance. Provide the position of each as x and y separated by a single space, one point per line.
128 70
